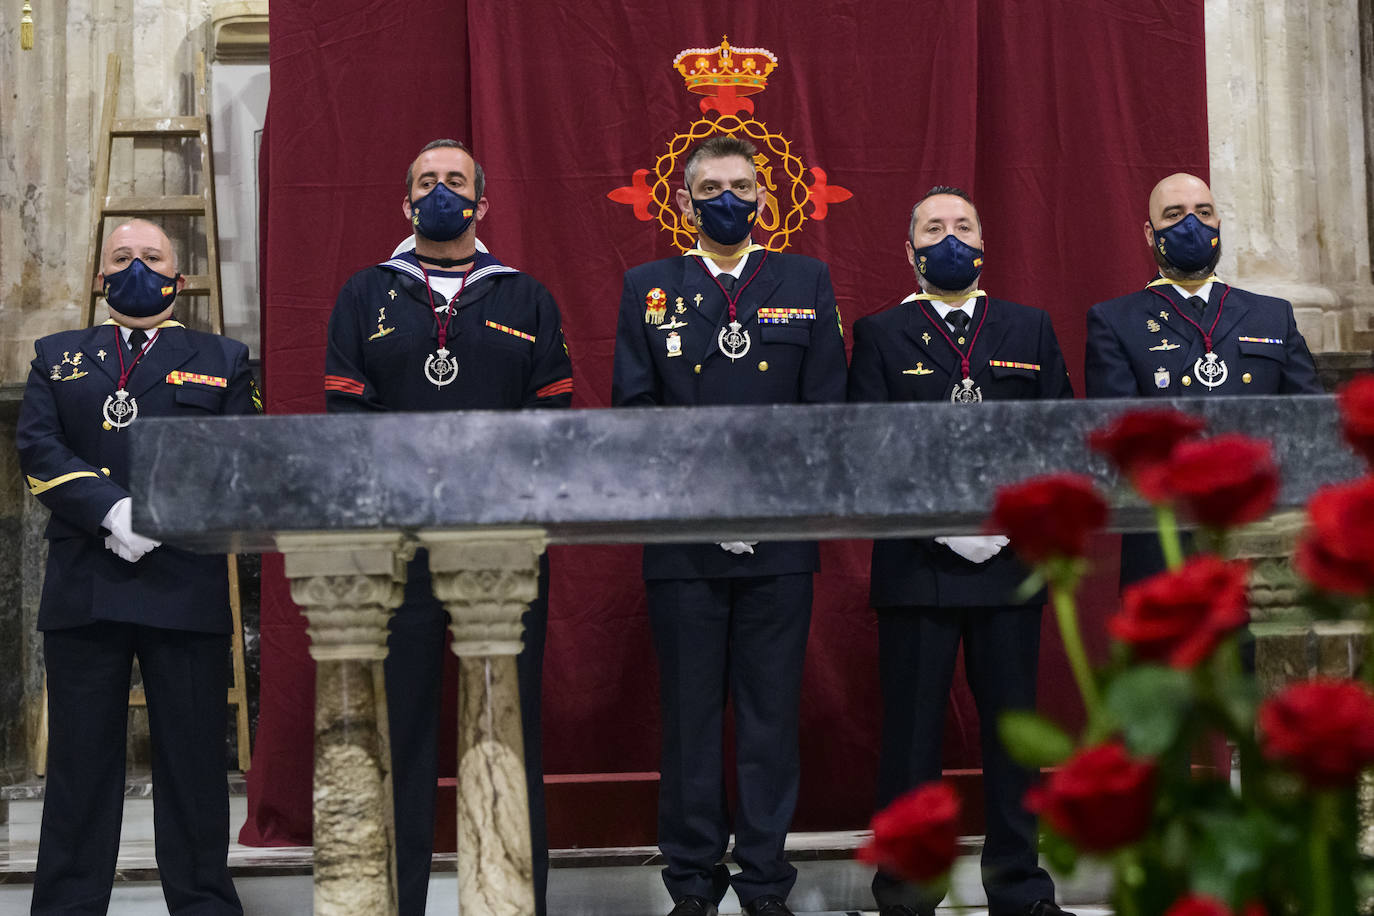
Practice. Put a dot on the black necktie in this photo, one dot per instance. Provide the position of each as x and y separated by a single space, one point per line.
137 338
727 281
958 319
1198 306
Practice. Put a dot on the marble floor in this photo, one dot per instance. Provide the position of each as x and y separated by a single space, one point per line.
620 882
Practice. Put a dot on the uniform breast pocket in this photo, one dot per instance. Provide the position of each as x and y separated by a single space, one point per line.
1015 381
784 347
209 399
1261 366
513 340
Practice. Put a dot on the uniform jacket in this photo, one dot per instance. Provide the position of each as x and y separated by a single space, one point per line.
79 469
1138 346
900 355
505 335
796 356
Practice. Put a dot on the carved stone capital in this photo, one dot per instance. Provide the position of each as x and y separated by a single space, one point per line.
486 581
347 586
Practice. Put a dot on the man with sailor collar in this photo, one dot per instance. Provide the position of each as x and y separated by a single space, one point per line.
1189 334
729 323
111 595
446 326
951 343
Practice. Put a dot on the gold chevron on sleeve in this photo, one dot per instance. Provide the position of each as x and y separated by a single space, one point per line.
37 486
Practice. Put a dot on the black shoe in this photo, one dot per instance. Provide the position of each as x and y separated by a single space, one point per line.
693 906
767 905
1042 908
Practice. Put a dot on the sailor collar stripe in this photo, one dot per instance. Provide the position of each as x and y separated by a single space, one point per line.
478 273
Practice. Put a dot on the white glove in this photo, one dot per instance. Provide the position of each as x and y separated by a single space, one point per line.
738 547
123 540
976 549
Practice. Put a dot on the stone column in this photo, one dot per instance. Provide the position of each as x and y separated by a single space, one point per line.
347 586
486 581
1288 131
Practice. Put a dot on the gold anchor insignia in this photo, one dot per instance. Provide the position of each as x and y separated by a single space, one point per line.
919 370
679 307
1165 345
926 337
68 360
392 294
381 317
1152 326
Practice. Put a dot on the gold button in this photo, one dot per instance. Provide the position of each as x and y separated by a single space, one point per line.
1245 378
763 365
697 368
961 340
1187 381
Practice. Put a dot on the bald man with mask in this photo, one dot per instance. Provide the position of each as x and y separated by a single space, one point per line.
111 595
1189 334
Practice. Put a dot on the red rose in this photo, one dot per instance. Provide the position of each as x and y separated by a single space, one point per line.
1200 905
1336 552
1139 443
917 836
1224 481
1100 800
1324 729
1050 516
1178 617
1356 400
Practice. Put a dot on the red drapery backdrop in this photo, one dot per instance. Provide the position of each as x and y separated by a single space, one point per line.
1058 117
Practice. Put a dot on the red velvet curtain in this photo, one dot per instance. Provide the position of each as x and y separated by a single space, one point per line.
1058 117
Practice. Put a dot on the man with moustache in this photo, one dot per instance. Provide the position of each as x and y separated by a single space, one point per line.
446 327
1188 333
952 343
728 323
111 595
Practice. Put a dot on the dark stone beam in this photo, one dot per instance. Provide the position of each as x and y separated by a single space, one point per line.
662 474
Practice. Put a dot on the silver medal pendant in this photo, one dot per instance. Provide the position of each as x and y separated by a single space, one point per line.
441 368
120 409
733 341
1210 370
966 393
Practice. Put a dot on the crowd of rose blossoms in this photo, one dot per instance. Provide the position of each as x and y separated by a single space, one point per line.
1103 798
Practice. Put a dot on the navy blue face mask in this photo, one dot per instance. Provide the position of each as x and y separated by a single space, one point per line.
1189 244
139 291
726 219
442 215
949 264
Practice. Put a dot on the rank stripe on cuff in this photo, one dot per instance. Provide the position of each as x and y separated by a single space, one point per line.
1005 364
512 331
343 383
37 486
562 386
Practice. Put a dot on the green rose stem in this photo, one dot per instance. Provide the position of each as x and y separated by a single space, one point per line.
1063 578
1132 877
1169 541
1326 815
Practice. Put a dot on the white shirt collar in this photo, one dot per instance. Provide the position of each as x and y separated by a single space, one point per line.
1205 291
737 271
944 308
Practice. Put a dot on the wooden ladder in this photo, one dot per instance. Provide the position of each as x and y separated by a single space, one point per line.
200 205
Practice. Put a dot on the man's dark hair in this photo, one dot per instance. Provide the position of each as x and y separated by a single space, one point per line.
716 148
479 178
941 189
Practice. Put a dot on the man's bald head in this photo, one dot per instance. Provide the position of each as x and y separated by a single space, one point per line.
138 238
1178 195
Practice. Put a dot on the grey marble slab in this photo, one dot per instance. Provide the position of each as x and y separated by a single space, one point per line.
661 474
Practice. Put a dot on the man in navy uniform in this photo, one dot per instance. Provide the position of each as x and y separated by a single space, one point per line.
729 323
446 327
110 594
952 343
1187 333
